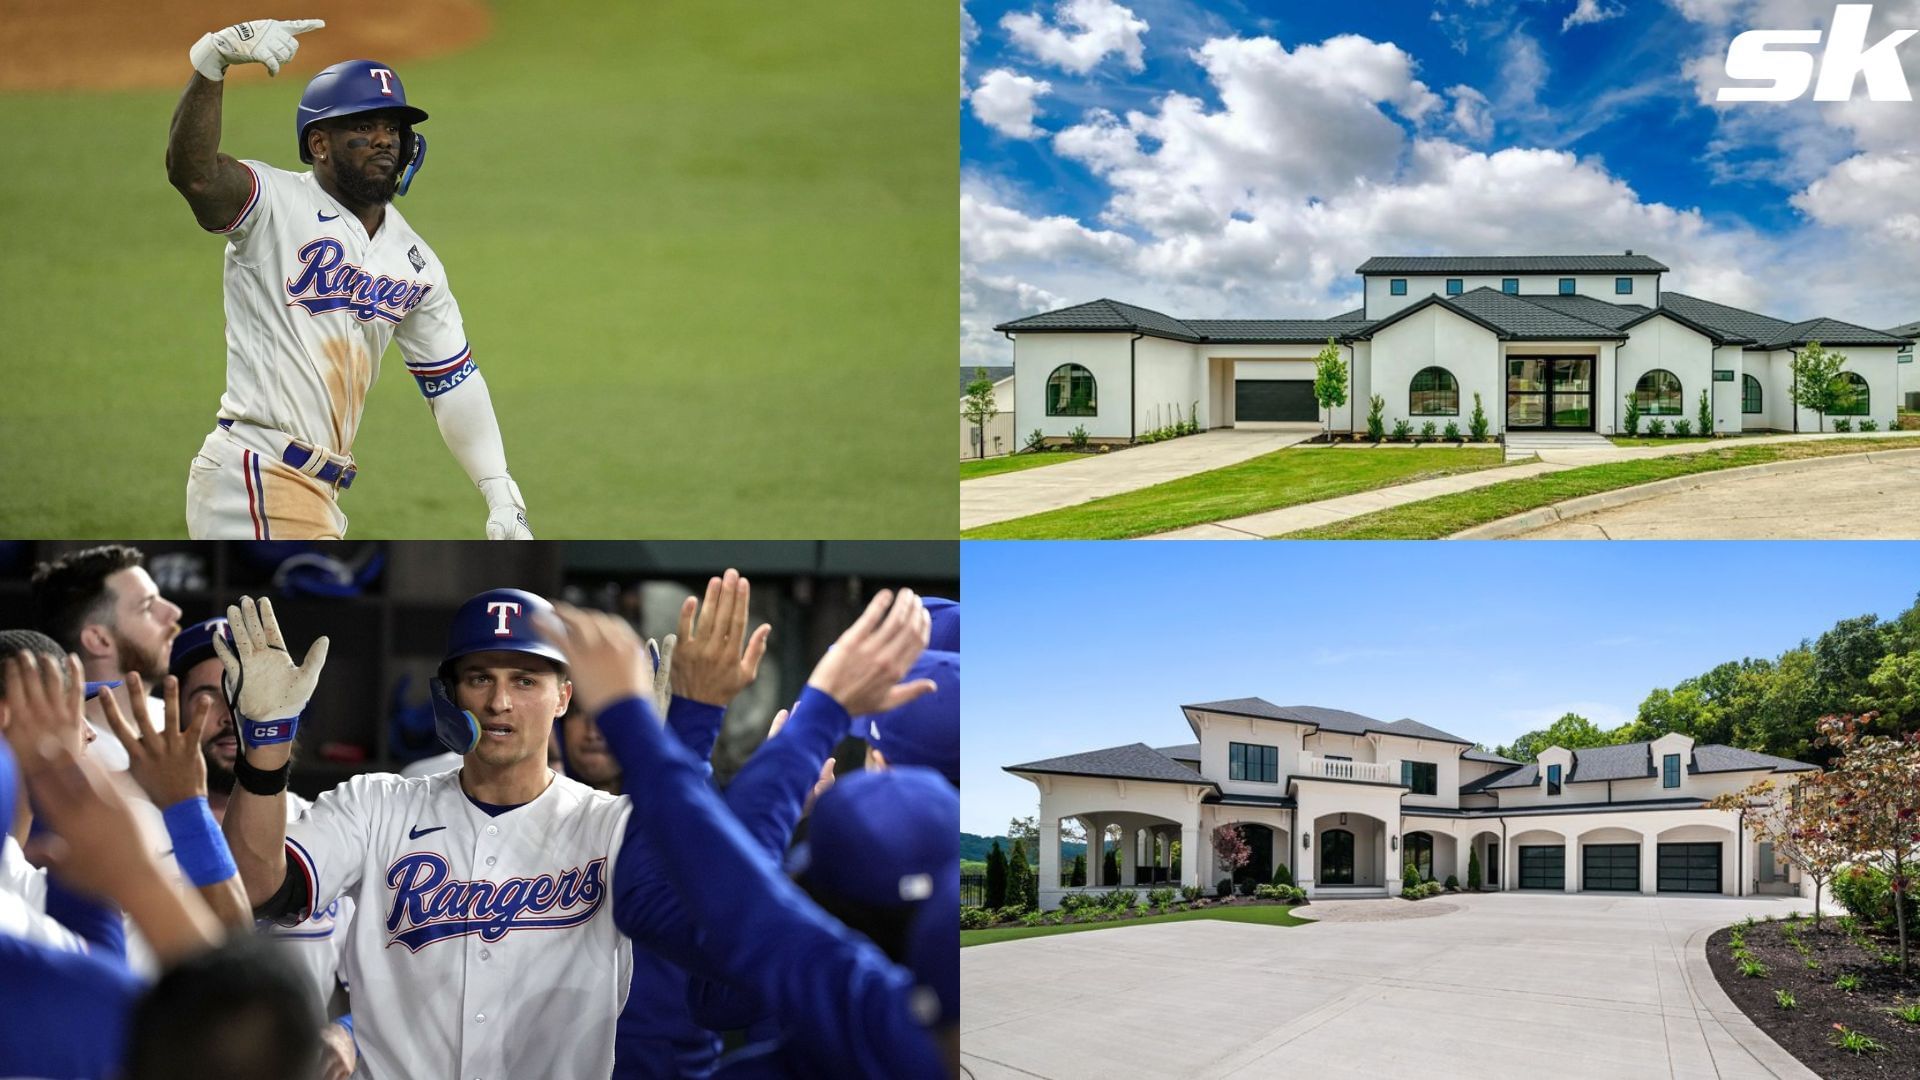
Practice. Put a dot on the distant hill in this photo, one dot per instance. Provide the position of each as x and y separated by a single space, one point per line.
974 848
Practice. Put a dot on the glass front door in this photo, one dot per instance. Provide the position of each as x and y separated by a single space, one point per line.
1336 857
1550 392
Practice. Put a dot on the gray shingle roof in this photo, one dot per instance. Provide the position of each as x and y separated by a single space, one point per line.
1911 330
1634 761
1183 752
1727 320
1522 317
1106 315
1337 720
1477 754
1629 761
1600 312
1511 264
1475 787
1829 332
968 374
1134 761
1716 335
1274 331
1359 314
1714 757
1527 775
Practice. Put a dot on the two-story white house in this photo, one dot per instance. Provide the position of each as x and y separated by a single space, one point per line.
1547 342
1346 801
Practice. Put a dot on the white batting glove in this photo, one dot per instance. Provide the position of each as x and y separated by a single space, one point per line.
267 690
506 509
262 41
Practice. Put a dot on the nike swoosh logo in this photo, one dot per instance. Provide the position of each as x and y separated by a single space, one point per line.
416 833
335 217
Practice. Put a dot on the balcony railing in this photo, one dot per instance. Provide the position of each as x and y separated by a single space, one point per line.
1387 772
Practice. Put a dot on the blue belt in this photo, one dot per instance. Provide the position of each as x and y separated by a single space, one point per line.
298 457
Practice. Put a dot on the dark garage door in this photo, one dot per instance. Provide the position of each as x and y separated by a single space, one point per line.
1274 399
1690 868
1543 867
1613 867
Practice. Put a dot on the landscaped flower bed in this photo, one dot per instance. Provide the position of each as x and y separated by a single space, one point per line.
1123 904
1791 980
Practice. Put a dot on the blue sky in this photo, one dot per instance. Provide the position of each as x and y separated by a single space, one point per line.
1239 160
1074 647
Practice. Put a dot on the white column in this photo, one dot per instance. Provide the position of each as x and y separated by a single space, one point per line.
1305 857
1392 849
1050 855
1190 852
1129 843
1649 865
1572 863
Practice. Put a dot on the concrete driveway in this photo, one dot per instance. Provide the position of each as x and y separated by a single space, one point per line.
1510 985
1050 487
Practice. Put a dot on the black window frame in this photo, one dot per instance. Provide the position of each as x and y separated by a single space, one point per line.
1646 401
1456 286
1567 286
1410 851
1623 286
1863 398
1240 764
1752 398
1413 388
1670 771
1420 777
1510 286
1397 286
1056 408
1553 780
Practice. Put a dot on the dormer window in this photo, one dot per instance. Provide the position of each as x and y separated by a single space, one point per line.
1553 779
1623 286
1566 286
1397 286
1510 286
1670 771
1455 286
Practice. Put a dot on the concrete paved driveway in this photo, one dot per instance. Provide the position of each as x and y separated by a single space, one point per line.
1873 497
1050 487
1511 985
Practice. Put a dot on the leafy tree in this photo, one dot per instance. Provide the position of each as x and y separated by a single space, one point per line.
1020 880
1230 850
996 877
1330 381
1894 692
1027 829
1799 822
980 407
1816 381
1572 731
1876 785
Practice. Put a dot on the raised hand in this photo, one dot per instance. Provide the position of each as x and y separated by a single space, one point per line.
864 668
167 762
605 658
262 41
716 659
269 690
45 699
99 847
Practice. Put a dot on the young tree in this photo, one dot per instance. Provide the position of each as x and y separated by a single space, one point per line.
1230 850
980 407
996 877
1079 875
1330 382
1473 868
1025 828
1816 381
1110 867
1798 822
1020 882
1876 801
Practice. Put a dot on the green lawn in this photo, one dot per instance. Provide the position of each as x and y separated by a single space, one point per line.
680 233
1264 914
973 469
1283 478
1643 440
1440 517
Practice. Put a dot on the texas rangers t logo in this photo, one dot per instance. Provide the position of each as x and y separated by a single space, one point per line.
503 608
429 906
386 80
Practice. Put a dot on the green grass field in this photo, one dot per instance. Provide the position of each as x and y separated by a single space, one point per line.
970 470
706 254
1264 914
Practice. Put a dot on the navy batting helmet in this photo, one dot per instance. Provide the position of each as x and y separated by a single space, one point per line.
349 87
498 620
195 644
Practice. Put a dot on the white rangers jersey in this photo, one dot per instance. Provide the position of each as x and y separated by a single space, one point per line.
311 303
484 947
318 945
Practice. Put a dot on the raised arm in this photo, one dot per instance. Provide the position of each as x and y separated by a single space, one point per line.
215 185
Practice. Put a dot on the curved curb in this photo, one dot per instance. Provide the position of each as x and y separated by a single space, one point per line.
1540 517
1736 1024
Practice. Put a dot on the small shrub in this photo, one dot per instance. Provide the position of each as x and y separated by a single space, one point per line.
1477 423
1190 893
1869 425
1706 414
1683 427
1055 918
1402 430
1908 1013
1077 438
1032 918
1753 969
1847 983
1812 964
1223 888
1657 428
1737 939
1429 430
973 918
1162 897
1633 416
1073 902
1452 431
1865 893
1784 999
1453 882
1282 875
1843 424
1035 440
1376 425
1853 1042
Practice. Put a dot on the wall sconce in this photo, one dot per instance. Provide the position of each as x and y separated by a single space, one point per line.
1306 841
1343 819
1393 843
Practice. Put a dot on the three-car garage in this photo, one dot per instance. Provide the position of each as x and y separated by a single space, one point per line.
1678 867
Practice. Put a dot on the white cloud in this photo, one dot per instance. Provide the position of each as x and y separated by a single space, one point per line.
1004 101
1591 11
1868 192
969 33
1472 113
1083 33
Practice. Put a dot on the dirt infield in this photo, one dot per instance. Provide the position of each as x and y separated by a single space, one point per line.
120 45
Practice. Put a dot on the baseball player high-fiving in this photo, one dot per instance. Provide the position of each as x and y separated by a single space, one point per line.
321 273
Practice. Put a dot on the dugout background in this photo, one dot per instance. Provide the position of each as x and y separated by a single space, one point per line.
389 630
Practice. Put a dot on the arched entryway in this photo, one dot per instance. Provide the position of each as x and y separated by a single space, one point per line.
1347 849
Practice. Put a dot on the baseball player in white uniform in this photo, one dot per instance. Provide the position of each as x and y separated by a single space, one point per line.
321 272
485 944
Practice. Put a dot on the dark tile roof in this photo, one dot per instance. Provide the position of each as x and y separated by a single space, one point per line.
1134 761
1523 317
1106 315
1600 312
1714 757
1476 754
968 374
1358 314
1527 775
1629 761
1183 752
1475 787
1829 332
1634 761
1273 331
1911 330
1511 264
1728 320
1335 720
1716 335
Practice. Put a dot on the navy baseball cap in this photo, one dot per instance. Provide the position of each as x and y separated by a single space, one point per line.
881 837
194 644
946 623
926 730
94 689
933 948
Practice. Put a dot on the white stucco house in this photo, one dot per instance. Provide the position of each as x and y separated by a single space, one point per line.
1549 342
1345 801
997 434
1909 378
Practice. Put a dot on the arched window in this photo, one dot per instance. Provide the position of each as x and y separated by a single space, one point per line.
1658 394
1856 399
1435 393
1071 392
1750 395
1419 852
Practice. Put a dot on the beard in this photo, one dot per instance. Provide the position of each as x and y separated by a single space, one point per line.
150 663
363 189
219 777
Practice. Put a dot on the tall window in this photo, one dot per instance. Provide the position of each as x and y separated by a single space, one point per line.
1071 392
1435 393
1859 404
1553 779
1397 286
1248 761
1510 285
1623 286
1419 851
1566 286
1422 776
1670 771
1750 395
1658 394
1455 286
